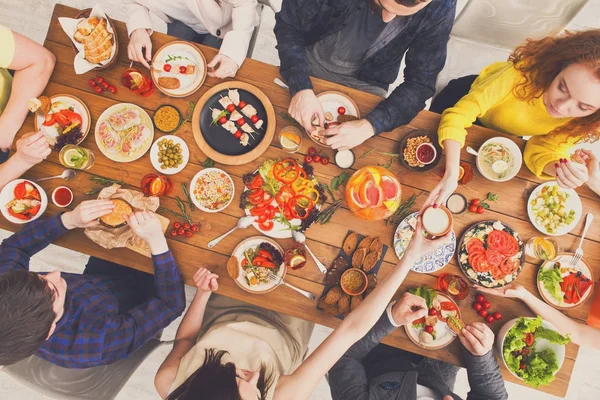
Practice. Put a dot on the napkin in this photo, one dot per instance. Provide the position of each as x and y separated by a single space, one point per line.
110 238
69 25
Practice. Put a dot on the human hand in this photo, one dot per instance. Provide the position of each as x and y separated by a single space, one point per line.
348 134
86 214
477 338
570 174
409 308
440 193
6 141
303 106
592 164
512 290
420 245
138 42
227 68
205 281
146 225
32 148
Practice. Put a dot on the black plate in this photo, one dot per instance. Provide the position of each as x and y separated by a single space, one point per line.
219 138
434 141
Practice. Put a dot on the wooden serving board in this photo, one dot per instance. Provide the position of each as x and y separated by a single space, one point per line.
145 251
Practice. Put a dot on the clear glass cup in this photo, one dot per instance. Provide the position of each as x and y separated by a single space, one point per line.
454 286
290 139
76 157
542 248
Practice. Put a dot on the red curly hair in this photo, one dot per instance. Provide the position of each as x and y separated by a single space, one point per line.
540 61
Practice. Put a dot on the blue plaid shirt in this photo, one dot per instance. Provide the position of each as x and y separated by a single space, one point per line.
93 330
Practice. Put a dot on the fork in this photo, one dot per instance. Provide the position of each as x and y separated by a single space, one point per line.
279 281
579 252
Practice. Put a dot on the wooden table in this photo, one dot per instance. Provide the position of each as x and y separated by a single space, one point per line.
325 240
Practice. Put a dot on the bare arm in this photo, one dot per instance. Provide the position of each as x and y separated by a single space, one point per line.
32 148
449 182
33 65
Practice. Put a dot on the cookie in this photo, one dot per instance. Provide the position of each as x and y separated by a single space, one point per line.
365 243
376 245
370 260
232 267
350 243
358 257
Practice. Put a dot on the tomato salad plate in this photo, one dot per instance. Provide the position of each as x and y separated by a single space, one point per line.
253 260
64 119
432 331
282 196
338 108
491 254
178 69
563 285
22 201
553 210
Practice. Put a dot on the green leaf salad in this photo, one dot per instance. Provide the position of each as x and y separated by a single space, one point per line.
536 368
551 278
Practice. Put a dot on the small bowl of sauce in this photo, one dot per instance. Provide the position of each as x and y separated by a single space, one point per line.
354 281
344 158
426 153
456 203
62 196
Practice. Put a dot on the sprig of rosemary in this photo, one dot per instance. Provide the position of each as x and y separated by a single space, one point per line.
184 212
365 154
180 216
104 182
190 112
186 193
402 212
326 214
329 191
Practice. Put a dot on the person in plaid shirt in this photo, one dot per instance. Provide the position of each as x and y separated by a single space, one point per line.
81 321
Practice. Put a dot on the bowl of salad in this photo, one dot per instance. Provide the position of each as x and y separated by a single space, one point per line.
499 159
22 201
532 349
553 210
253 260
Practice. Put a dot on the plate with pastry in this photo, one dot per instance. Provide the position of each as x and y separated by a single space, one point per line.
338 108
178 69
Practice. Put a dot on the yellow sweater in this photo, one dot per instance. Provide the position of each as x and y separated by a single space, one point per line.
491 99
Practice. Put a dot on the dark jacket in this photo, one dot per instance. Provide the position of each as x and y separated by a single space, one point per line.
349 380
301 23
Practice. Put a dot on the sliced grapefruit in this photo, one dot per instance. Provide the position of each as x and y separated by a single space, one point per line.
353 197
390 187
375 173
371 194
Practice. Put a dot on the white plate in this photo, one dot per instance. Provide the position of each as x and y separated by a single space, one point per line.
540 345
7 195
564 259
193 185
443 335
331 101
189 83
78 107
573 203
515 151
430 262
238 252
119 156
154 155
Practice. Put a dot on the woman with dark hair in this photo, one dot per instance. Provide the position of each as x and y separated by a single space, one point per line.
548 89
248 353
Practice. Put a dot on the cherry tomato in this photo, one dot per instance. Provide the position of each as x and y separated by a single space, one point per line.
167 67
483 313
312 151
105 85
92 83
477 306
98 89
254 119
487 305
222 120
472 208
341 110
497 316
308 159
429 329
317 158
480 210
231 108
324 160
112 89
180 232
177 225
99 79
522 366
489 319
182 69
189 234
241 121
480 298
242 104
194 228
237 134
475 202
174 232
186 226
432 312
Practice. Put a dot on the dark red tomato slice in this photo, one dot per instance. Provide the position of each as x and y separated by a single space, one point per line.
72 116
497 273
474 245
244 262
529 339
266 226
62 119
256 196
261 218
494 257
479 263
256 183
503 242
256 211
509 266
20 190
49 120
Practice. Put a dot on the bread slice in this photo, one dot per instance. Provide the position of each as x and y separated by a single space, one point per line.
232 267
370 260
358 257
365 243
350 243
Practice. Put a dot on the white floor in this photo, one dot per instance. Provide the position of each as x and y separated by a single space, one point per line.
31 18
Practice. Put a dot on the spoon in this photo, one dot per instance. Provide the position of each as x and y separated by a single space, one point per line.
67 174
472 151
243 223
281 83
299 237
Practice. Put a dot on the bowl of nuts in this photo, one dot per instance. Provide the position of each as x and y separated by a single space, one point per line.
169 154
420 151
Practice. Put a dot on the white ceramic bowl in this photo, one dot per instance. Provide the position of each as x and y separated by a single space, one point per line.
7 195
54 199
193 184
558 349
516 152
154 155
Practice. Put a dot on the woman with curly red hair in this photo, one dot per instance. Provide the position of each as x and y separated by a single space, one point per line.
548 89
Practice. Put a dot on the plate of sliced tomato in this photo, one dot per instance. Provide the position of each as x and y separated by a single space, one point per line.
22 201
283 196
491 254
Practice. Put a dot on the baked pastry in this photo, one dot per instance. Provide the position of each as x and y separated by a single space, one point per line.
117 218
97 41
365 243
359 257
169 82
333 295
370 260
350 243
338 267
232 267
376 245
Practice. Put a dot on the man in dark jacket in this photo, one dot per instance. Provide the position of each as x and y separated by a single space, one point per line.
361 43
373 371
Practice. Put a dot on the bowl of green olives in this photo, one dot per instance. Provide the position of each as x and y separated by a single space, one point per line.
169 154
